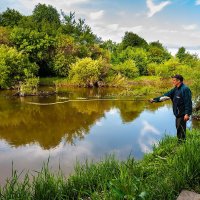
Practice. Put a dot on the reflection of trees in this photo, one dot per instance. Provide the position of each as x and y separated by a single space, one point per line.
130 110
47 124
22 124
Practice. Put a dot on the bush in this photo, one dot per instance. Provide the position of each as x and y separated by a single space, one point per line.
127 69
30 85
88 72
171 67
13 65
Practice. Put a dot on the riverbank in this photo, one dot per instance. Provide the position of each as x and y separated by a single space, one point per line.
161 174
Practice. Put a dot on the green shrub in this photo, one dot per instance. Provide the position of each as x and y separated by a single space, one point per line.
29 86
171 67
127 69
13 65
88 72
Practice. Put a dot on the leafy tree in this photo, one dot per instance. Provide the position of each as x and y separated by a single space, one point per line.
186 57
127 69
138 55
78 29
13 66
133 40
27 23
157 53
181 53
38 45
65 54
47 18
10 18
109 45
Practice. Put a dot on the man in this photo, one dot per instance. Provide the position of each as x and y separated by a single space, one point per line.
182 104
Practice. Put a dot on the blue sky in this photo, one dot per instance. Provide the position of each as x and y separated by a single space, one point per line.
174 23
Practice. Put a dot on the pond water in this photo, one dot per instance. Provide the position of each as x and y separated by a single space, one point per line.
74 130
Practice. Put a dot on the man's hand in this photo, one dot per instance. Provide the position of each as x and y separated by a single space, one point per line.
186 117
151 100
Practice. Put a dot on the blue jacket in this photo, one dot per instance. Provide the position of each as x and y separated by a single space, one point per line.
181 98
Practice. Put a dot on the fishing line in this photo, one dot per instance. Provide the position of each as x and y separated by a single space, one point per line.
82 100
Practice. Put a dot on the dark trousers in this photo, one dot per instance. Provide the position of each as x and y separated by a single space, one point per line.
181 128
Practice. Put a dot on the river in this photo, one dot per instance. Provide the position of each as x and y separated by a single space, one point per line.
90 126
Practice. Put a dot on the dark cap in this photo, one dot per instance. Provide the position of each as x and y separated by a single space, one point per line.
179 77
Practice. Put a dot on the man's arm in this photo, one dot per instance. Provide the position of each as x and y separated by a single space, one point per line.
164 97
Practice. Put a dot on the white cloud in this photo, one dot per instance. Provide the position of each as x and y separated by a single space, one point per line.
114 32
190 27
69 5
197 2
146 138
96 15
153 8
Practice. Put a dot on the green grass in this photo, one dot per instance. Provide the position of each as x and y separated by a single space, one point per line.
161 174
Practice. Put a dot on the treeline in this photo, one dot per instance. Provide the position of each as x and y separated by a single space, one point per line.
49 44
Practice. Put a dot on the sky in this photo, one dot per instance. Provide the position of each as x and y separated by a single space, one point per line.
175 23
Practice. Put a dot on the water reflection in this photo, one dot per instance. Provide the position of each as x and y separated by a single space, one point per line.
21 123
77 129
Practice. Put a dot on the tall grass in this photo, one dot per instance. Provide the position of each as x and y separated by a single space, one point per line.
161 174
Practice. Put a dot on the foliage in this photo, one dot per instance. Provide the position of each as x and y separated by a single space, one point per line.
115 80
172 67
4 35
66 52
187 58
151 69
77 29
54 43
37 45
131 39
10 18
46 18
88 72
138 55
127 69
195 77
109 45
157 53
13 65
30 85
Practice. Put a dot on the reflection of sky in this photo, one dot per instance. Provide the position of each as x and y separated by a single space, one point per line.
109 135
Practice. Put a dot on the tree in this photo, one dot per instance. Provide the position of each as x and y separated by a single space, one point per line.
78 29
181 53
38 45
109 45
65 54
10 18
133 40
187 58
46 17
157 53
138 55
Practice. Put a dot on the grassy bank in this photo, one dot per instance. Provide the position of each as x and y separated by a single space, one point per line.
160 175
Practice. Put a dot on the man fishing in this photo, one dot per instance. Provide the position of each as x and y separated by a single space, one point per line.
182 104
